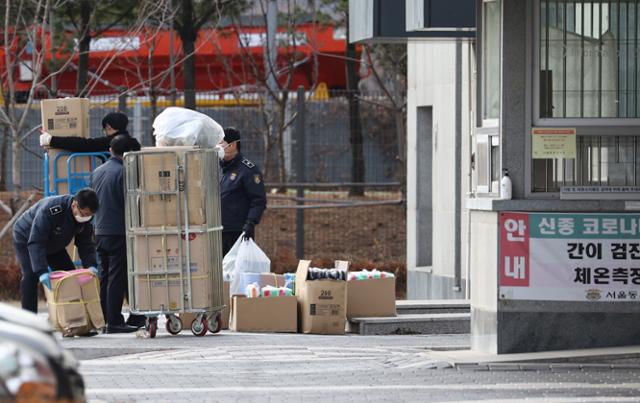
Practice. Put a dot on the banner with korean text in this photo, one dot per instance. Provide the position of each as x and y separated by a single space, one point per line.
570 257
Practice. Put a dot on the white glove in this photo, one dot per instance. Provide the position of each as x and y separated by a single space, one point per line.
45 139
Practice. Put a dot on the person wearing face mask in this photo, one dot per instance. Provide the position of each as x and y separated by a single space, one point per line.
242 195
42 233
113 124
108 182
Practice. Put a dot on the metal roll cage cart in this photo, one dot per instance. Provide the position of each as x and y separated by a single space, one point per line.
136 193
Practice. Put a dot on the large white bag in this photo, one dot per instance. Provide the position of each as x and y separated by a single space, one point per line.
243 257
177 126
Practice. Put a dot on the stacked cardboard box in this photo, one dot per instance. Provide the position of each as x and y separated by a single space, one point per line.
160 175
160 239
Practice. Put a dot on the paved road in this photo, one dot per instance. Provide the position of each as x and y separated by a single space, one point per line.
299 368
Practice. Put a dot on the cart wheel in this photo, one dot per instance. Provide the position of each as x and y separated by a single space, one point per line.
152 324
173 325
215 324
199 327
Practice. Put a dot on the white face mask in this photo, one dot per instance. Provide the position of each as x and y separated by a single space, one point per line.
82 219
220 150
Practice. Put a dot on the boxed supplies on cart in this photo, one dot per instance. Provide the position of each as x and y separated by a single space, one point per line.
371 294
74 302
322 298
156 254
160 175
174 246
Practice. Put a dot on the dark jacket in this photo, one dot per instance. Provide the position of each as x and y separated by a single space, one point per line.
107 180
242 193
84 145
48 227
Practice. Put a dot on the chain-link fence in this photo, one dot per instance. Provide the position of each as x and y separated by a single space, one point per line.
314 208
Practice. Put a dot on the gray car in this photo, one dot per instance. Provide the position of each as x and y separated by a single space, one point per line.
33 363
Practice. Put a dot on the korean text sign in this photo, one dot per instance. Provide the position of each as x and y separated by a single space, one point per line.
570 257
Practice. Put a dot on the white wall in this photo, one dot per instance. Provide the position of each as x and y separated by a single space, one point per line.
432 82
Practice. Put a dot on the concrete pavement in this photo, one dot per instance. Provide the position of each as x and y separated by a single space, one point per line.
233 367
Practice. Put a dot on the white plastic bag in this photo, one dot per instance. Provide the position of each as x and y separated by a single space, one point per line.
243 257
177 126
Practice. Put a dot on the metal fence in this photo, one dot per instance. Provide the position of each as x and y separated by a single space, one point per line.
318 219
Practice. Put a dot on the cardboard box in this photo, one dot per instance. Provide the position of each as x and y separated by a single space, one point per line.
277 314
65 116
322 304
371 298
160 253
164 293
74 302
159 174
187 318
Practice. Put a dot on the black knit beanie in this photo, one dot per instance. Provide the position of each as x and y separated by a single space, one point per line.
118 121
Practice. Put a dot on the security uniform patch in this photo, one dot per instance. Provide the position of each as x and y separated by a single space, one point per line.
248 163
55 210
233 176
257 179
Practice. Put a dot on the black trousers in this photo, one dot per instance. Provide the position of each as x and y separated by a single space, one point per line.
228 239
112 250
29 282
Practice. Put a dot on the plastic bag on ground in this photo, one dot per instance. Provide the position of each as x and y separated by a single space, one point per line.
177 126
245 256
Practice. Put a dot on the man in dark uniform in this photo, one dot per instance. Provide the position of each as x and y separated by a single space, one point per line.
42 233
113 124
243 199
107 181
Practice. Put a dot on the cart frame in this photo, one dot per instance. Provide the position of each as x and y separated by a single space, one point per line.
135 195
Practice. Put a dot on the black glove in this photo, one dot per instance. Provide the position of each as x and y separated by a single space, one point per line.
249 230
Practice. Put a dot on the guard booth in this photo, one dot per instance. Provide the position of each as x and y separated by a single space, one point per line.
549 91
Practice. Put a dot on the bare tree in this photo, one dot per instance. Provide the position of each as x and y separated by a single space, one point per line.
24 39
191 17
257 69
21 31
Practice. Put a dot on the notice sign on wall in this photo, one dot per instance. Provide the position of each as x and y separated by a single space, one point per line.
570 257
553 143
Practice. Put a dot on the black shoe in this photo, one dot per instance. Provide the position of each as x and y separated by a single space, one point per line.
90 333
120 329
137 321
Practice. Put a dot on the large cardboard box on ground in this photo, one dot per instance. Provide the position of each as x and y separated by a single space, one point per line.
160 253
65 116
322 304
277 314
74 302
159 174
187 318
161 292
371 298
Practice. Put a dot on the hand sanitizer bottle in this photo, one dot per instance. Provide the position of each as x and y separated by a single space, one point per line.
505 186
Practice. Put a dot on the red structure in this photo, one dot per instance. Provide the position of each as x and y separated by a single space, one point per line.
224 59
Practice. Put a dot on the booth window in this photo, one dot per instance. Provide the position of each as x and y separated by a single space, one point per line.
588 62
600 161
491 32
